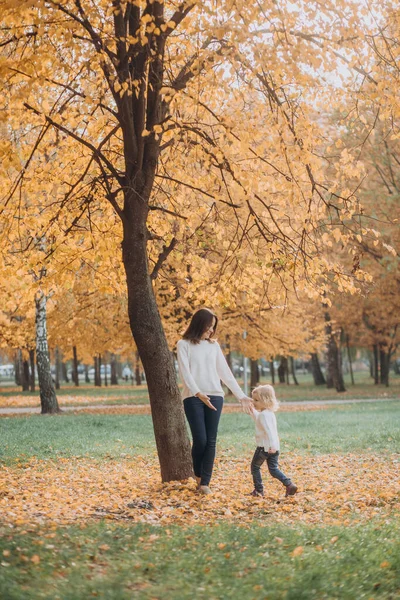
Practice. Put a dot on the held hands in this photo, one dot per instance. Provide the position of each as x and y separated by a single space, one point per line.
247 405
204 398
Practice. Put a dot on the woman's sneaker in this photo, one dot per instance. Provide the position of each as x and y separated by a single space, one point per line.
291 489
204 489
257 494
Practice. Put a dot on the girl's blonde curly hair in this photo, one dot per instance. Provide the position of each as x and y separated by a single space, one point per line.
265 395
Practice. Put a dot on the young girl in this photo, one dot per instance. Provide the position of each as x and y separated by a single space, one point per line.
265 404
202 366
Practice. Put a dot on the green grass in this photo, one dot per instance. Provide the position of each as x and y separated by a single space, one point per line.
114 562
339 429
125 393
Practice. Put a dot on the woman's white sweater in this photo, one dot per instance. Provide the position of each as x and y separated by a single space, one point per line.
202 366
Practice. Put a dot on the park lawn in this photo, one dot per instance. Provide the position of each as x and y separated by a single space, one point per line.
259 561
87 394
67 531
340 429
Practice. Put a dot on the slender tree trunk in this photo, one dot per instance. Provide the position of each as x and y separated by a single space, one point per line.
385 363
165 399
254 377
57 359
282 370
272 371
18 367
138 378
293 370
25 375
228 353
32 370
349 357
87 378
48 398
114 378
64 372
334 367
316 370
97 371
376 363
105 372
75 374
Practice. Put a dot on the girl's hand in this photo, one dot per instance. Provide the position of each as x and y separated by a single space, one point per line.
247 405
204 398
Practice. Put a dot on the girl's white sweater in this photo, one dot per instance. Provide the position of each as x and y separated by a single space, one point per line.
202 366
266 429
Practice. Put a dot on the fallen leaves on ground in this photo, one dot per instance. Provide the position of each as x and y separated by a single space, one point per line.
333 489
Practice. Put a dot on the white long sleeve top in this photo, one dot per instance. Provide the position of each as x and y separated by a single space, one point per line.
202 366
266 429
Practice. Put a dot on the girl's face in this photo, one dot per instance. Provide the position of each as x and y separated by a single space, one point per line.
209 331
257 404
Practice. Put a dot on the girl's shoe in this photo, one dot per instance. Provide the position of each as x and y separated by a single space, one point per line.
257 494
291 489
204 489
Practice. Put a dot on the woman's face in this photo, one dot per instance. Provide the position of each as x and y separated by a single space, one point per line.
209 331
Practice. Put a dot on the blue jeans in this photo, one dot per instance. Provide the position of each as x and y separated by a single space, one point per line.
203 423
260 456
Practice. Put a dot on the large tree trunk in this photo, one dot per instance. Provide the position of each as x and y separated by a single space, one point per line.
48 398
254 377
114 378
32 370
75 374
334 366
165 399
57 360
316 370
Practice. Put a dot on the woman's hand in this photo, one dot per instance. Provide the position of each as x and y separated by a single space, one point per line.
247 405
204 398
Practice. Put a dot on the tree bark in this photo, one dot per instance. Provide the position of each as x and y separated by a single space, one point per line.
87 378
282 370
272 371
75 374
316 370
57 359
334 367
114 378
48 398
138 378
376 364
293 370
25 375
165 399
105 373
64 372
97 371
32 370
254 377
349 358
384 359
18 367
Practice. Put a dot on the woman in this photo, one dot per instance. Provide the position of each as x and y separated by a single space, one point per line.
202 366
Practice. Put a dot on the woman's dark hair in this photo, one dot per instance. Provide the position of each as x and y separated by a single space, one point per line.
201 321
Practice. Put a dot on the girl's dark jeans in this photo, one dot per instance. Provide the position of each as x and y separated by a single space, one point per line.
260 456
203 423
